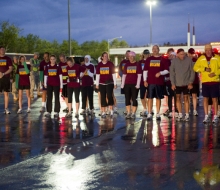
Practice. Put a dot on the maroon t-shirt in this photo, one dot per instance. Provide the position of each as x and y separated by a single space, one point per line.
154 65
5 63
122 65
64 71
74 75
196 80
53 75
86 79
142 63
23 75
131 70
105 71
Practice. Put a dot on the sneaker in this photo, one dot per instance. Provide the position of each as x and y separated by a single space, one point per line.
125 112
115 110
152 112
166 113
76 115
43 109
143 113
149 117
176 115
170 115
29 110
133 116
215 119
66 110
87 111
103 115
128 116
7 111
83 112
186 117
68 115
180 117
158 118
19 111
47 114
210 113
195 113
100 113
56 114
111 113
91 112
206 119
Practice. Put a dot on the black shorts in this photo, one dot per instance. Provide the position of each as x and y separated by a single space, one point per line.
23 87
195 89
182 89
155 91
210 90
168 91
143 91
122 91
64 91
5 84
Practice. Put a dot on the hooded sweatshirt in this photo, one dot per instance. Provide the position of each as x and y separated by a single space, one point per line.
181 72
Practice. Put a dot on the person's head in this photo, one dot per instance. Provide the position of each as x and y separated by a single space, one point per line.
46 56
15 59
105 57
127 54
131 56
70 61
87 58
36 55
62 58
82 60
22 59
2 50
171 53
191 52
208 50
146 54
181 54
53 59
155 50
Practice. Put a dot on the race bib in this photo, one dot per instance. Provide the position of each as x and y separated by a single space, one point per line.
104 70
131 69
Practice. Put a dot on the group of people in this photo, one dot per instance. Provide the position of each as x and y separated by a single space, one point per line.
175 76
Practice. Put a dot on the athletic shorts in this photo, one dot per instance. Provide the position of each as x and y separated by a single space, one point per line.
5 84
23 87
182 89
195 89
143 91
210 90
155 91
168 91
64 91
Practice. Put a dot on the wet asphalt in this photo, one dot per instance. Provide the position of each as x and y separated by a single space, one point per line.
112 153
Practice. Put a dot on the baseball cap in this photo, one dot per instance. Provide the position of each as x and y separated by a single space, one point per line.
146 51
191 51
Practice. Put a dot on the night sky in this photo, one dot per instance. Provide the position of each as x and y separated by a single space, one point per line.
106 19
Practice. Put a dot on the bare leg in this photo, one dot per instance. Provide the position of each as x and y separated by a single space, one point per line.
6 97
186 103
215 105
20 92
194 99
205 105
150 105
29 98
178 103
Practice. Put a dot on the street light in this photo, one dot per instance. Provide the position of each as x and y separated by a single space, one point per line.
69 37
150 3
110 40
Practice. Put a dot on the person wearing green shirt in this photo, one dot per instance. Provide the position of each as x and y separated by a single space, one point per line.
13 73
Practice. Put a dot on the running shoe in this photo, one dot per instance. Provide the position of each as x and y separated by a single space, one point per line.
125 112
195 113
128 116
115 110
215 119
158 118
83 112
103 115
47 114
56 114
29 110
133 116
19 111
7 111
66 110
176 115
180 117
166 113
76 115
206 119
149 117
143 113
68 115
43 109
170 115
186 117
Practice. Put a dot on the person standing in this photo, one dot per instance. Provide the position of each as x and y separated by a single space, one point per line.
63 65
23 82
43 65
208 65
195 90
35 77
143 89
182 77
73 85
154 70
131 80
5 70
53 82
87 85
106 82
13 74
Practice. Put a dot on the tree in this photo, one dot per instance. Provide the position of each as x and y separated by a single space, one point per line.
8 35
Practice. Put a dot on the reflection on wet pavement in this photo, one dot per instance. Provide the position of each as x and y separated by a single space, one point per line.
112 153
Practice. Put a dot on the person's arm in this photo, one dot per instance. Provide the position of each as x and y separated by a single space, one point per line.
114 79
138 81
198 67
145 73
123 80
97 80
192 73
61 81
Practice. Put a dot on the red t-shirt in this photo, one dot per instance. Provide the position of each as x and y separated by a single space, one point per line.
142 64
105 71
64 71
122 64
196 80
154 65
23 76
53 75
86 79
5 63
131 70
74 75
